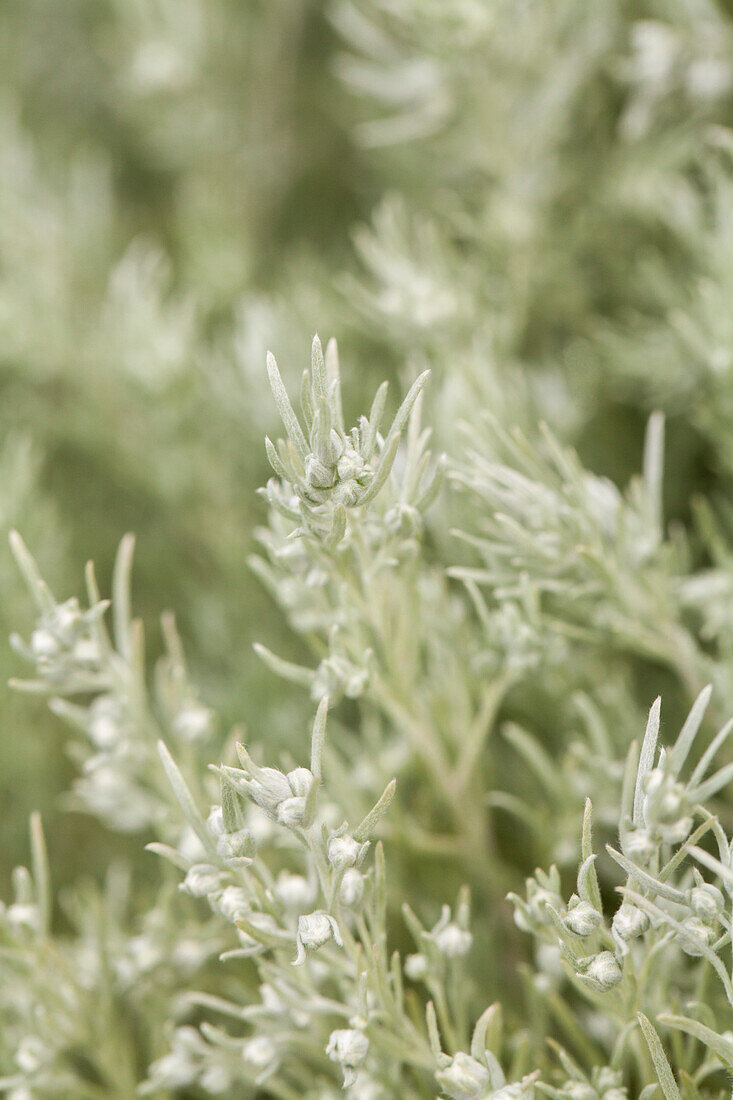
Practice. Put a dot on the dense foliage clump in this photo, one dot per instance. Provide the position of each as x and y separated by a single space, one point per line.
404 819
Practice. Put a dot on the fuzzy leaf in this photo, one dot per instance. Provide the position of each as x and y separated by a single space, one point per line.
659 1058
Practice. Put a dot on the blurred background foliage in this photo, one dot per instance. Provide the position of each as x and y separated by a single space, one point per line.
530 197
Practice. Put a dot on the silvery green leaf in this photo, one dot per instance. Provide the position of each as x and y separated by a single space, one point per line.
370 429
230 807
306 399
681 748
121 613
37 587
659 1058
274 460
654 467
403 413
712 785
289 671
334 382
287 415
185 799
721 1045
646 758
41 872
382 471
365 829
487 1032
166 852
725 872
646 880
710 753
318 370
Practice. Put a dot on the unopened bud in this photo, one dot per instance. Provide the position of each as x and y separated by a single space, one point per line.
344 851
629 922
464 1079
706 901
202 880
349 1048
695 937
453 942
314 930
582 918
604 971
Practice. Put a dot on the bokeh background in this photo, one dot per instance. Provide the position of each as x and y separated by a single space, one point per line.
526 196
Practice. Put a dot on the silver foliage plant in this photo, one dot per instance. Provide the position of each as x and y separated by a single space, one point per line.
280 957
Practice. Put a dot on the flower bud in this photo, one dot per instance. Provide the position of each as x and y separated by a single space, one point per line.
350 465
192 723
347 492
464 1079
579 1090
294 891
695 937
639 846
314 930
416 967
235 845
32 1054
629 922
268 787
105 721
344 851
202 880
291 812
351 890
453 942
44 645
349 1048
233 904
317 474
603 971
582 918
665 807
301 781
259 1052
706 901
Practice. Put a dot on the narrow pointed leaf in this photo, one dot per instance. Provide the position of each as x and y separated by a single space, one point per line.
41 873
185 799
406 407
37 587
121 610
710 752
287 414
318 369
659 1058
590 879
646 758
365 829
719 1044
289 671
680 751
